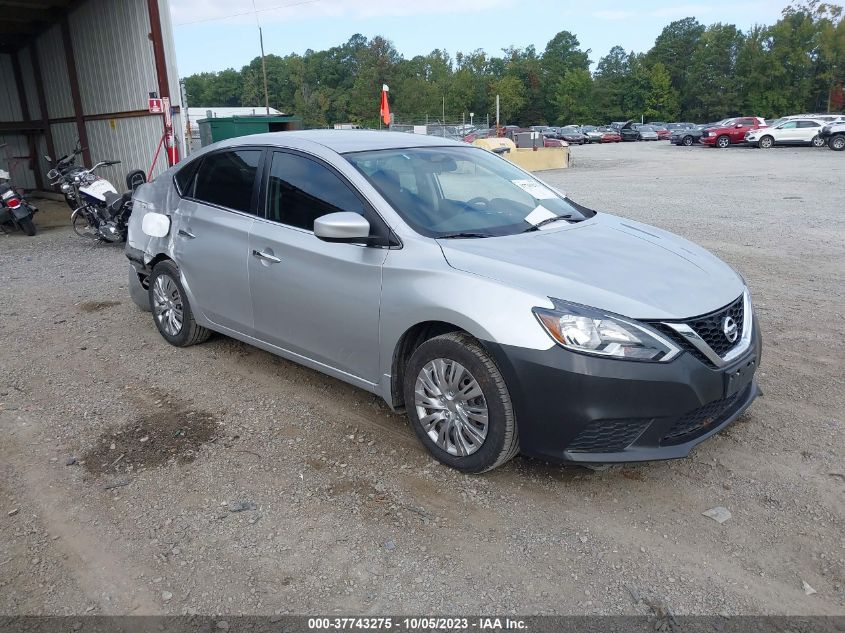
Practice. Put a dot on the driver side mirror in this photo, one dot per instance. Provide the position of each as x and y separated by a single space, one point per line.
343 226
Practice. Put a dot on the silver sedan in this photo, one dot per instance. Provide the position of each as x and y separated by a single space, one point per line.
501 315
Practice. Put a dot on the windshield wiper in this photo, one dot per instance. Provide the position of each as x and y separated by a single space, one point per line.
449 236
536 227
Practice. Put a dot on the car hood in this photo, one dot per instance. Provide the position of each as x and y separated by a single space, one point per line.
606 262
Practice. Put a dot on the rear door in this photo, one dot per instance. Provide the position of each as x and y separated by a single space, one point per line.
807 131
317 299
211 244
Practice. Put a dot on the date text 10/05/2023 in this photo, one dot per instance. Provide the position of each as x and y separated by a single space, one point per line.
417 623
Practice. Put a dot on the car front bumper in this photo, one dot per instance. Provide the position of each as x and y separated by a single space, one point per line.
577 408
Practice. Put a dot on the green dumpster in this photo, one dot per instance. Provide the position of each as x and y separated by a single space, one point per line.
218 128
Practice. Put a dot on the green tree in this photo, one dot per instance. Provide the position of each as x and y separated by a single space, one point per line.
661 103
573 98
511 93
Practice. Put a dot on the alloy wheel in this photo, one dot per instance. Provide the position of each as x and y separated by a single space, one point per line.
766 142
838 142
818 141
723 142
167 305
451 407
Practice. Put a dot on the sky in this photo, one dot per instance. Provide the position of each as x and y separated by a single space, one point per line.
215 34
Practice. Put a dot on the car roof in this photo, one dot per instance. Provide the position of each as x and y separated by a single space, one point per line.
341 141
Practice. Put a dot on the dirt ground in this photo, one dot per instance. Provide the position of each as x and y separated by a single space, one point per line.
138 478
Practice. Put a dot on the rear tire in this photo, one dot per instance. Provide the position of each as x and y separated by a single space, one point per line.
836 143
818 141
172 313
27 225
722 142
433 392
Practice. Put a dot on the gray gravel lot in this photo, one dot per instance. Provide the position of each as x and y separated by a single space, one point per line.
350 514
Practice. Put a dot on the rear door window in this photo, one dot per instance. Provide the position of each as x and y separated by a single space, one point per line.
185 178
227 179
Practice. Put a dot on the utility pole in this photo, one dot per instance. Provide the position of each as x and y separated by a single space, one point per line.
264 72
497 112
263 64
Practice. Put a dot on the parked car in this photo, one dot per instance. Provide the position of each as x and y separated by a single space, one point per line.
421 269
647 133
733 133
691 135
609 135
663 133
834 135
628 131
592 133
679 126
571 135
789 132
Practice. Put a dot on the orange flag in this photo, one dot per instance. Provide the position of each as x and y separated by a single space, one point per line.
385 108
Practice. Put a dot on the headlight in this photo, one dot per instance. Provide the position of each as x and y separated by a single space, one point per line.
66 187
590 331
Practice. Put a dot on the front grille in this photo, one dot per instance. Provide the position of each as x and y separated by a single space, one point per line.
608 436
702 419
709 328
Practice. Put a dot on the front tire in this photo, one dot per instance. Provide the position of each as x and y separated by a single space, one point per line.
27 225
837 143
459 405
767 142
688 141
722 142
172 313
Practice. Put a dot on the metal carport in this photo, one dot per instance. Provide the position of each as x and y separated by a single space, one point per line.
84 69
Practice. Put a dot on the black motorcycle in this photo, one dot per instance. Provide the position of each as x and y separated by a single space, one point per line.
15 211
99 211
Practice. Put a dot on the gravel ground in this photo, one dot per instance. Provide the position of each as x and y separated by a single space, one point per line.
286 491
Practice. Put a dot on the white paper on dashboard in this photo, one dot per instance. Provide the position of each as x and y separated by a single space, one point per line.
538 215
536 189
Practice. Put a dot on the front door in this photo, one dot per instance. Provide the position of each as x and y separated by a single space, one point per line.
211 244
317 299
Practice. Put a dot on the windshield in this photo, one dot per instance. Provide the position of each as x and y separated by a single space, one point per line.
462 191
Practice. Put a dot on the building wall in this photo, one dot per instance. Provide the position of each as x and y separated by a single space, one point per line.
115 66
53 62
10 105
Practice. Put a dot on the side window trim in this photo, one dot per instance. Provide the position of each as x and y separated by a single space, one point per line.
370 212
193 178
254 210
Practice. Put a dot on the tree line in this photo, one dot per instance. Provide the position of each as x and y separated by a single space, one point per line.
692 73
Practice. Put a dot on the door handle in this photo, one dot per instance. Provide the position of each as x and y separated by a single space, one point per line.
187 234
272 259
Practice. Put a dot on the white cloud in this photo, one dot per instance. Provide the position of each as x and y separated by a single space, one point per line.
269 11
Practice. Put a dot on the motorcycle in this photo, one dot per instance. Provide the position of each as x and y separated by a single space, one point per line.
98 210
15 211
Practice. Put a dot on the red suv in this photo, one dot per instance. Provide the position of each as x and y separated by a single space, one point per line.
732 134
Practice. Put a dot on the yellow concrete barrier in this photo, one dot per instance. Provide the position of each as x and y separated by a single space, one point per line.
529 159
